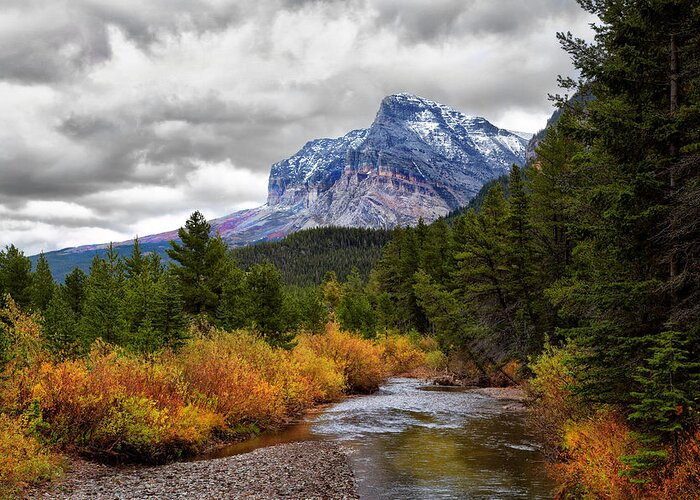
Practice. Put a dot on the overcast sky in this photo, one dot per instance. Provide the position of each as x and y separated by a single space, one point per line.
121 117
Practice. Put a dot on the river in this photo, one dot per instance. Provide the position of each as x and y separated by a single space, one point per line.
410 441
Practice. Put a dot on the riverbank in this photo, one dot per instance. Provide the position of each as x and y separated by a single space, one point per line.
311 469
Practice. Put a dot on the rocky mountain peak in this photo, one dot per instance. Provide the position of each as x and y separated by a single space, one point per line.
418 159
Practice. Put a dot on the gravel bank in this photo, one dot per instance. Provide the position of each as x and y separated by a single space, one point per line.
307 470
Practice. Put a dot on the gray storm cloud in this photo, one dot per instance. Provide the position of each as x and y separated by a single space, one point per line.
121 117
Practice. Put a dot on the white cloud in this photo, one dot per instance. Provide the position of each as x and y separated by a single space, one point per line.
120 118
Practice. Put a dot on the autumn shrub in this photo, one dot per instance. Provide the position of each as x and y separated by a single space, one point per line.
117 404
223 373
400 355
554 404
436 360
23 459
358 359
591 464
111 404
679 478
326 382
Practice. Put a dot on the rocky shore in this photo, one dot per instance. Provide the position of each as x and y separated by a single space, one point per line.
306 470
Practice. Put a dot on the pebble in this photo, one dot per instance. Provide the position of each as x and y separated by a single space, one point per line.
306 470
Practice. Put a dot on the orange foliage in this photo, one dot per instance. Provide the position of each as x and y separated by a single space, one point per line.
359 360
400 355
592 465
224 374
111 403
23 459
680 477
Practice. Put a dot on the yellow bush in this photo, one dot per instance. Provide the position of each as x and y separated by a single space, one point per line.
358 359
400 355
112 403
436 360
326 381
554 403
23 460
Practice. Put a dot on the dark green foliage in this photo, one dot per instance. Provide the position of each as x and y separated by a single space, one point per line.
198 262
42 285
168 316
355 312
136 263
234 309
103 310
60 328
478 201
633 269
267 296
74 288
304 309
15 276
304 257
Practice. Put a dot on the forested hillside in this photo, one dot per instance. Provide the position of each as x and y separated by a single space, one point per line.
305 257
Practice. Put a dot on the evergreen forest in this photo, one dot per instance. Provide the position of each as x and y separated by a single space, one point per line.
577 277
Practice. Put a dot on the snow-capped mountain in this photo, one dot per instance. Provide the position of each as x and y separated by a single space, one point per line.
418 159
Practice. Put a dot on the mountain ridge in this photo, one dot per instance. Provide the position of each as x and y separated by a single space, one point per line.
417 160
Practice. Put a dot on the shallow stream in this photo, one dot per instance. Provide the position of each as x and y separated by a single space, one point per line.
410 441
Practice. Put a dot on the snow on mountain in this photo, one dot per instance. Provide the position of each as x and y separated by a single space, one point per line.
418 159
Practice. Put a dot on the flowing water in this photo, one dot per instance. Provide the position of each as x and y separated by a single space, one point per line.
408 441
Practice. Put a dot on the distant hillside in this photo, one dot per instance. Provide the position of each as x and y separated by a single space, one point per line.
64 261
304 257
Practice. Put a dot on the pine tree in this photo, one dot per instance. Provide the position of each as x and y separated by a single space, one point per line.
523 282
140 298
267 298
234 310
355 312
630 274
196 264
314 314
168 316
60 327
481 277
74 289
135 263
669 392
42 284
15 276
103 309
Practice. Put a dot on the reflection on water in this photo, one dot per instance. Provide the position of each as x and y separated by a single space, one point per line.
407 442
300 431
411 443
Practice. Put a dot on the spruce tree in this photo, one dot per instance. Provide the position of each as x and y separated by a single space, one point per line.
60 328
355 312
74 289
197 263
234 309
267 298
42 284
632 270
15 276
168 316
136 262
103 310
